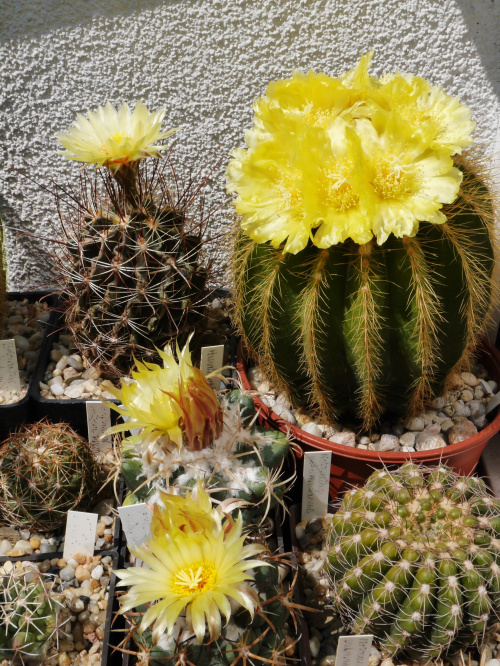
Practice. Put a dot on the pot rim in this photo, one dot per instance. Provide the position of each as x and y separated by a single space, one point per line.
479 440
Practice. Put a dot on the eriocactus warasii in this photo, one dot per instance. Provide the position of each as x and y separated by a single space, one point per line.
414 560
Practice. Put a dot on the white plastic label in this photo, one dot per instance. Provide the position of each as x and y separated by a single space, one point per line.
80 535
9 370
353 650
136 523
212 359
316 484
98 421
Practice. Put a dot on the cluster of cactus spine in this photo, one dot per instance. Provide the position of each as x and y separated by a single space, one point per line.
361 330
133 273
246 463
28 615
46 470
415 560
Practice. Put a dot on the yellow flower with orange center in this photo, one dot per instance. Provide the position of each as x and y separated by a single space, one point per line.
174 401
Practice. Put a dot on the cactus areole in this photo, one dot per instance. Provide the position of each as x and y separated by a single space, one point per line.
414 559
363 264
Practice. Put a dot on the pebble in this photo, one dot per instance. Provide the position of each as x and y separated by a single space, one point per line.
407 439
469 379
414 423
312 429
68 573
461 431
284 413
97 572
426 441
314 645
346 438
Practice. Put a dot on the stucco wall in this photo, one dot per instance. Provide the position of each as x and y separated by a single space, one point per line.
206 61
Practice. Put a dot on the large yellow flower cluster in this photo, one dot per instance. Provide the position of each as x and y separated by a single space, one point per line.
354 157
197 561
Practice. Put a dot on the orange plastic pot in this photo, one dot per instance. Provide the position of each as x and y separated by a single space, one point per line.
351 466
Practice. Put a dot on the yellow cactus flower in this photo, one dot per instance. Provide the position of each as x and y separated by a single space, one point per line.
174 401
355 157
110 137
407 183
193 571
193 513
434 116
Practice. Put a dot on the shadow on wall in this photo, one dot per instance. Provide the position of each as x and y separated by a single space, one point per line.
34 272
479 16
49 15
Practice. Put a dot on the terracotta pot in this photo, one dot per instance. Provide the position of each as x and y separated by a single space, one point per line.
351 466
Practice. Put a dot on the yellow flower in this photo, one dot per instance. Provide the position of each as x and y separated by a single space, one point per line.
175 402
113 137
193 571
331 159
407 183
436 117
192 513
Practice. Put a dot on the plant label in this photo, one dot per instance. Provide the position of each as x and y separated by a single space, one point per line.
136 523
316 484
353 650
9 370
98 421
81 529
212 359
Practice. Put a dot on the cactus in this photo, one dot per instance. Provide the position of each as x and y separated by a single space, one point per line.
28 615
133 273
181 598
46 470
353 300
414 559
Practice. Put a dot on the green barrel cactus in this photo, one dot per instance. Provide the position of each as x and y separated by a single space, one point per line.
134 276
415 560
46 470
28 615
363 263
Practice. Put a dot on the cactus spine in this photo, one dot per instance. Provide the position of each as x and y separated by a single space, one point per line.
361 330
46 470
28 615
414 560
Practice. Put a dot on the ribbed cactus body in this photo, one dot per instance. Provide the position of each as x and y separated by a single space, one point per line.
414 560
46 470
367 329
134 274
28 616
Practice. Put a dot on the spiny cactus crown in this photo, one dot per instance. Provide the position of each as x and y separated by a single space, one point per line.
415 559
46 470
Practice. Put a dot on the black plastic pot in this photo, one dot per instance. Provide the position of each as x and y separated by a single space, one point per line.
71 411
17 413
114 629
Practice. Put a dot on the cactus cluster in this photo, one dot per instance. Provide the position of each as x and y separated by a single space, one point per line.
28 615
46 470
415 560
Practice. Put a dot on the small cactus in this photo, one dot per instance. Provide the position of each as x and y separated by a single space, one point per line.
46 470
414 559
28 615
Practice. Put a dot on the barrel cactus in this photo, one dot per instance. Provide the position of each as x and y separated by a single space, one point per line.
28 615
46 470
414 559
134 277
183 432
363 264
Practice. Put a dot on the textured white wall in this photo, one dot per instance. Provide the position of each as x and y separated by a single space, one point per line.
206 61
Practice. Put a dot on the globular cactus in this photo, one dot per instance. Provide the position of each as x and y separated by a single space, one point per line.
183 600
184 433
28 615
133 274
46 470
356 290
415 560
